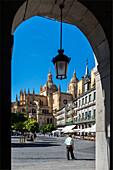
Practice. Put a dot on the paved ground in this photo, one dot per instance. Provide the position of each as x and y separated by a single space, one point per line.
49 153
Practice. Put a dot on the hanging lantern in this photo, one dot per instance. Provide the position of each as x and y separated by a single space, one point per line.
61 61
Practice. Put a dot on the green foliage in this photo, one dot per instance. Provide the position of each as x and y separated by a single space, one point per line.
32 125
41 131
21 123
18 117
19 126
49 128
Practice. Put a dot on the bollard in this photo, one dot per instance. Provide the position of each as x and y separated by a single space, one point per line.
20 138
24 138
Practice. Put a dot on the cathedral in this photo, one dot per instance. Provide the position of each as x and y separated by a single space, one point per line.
42 107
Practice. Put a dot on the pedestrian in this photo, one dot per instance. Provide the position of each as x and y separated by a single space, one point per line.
69 146
49 134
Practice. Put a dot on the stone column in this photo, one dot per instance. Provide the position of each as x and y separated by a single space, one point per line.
103 117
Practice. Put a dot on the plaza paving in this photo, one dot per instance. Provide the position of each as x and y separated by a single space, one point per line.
49 153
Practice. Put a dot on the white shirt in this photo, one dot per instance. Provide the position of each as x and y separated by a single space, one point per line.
68 141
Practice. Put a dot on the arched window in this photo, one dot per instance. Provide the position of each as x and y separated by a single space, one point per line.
47 120
23 110
50 120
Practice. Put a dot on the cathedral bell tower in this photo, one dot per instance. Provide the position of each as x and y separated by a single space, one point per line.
72 85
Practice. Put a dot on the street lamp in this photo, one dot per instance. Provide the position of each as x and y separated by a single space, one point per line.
61 61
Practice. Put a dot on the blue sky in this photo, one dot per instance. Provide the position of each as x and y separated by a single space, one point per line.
36 42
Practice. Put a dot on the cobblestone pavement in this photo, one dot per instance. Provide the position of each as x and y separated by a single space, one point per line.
49 153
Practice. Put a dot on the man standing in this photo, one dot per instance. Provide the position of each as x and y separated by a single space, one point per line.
69 146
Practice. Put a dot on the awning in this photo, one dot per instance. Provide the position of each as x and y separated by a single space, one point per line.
73 131
60 128
85 130
93 129
68 128
76 130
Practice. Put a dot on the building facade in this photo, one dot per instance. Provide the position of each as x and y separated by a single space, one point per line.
81 111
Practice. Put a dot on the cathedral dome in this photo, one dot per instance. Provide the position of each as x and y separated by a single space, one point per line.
50 85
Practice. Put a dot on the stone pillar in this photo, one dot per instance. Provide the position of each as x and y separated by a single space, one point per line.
103 118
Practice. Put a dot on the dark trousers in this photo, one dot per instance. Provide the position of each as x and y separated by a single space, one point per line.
69 150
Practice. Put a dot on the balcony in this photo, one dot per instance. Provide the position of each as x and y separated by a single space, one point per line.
67 123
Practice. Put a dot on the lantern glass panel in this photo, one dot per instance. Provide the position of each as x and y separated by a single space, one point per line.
61 66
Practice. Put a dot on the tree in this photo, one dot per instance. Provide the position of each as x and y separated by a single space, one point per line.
18 117
32 125
49 128
20 126
17 121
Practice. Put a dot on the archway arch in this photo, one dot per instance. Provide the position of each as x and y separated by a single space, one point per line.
99 43
77 14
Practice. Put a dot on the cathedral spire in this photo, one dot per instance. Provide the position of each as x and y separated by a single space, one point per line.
40 87
50 77
59 89
16 98
24 91
49 70
21 92
28 91
74 74
33 91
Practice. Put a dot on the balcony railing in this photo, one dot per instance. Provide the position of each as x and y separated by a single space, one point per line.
67 123
84 119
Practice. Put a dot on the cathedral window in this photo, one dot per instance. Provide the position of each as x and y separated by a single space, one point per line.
23 110
50 120
47 120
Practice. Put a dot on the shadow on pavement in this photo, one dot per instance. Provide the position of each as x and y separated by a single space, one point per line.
33 145
84 159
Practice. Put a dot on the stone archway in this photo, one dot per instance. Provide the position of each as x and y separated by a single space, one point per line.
99 37
77 14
